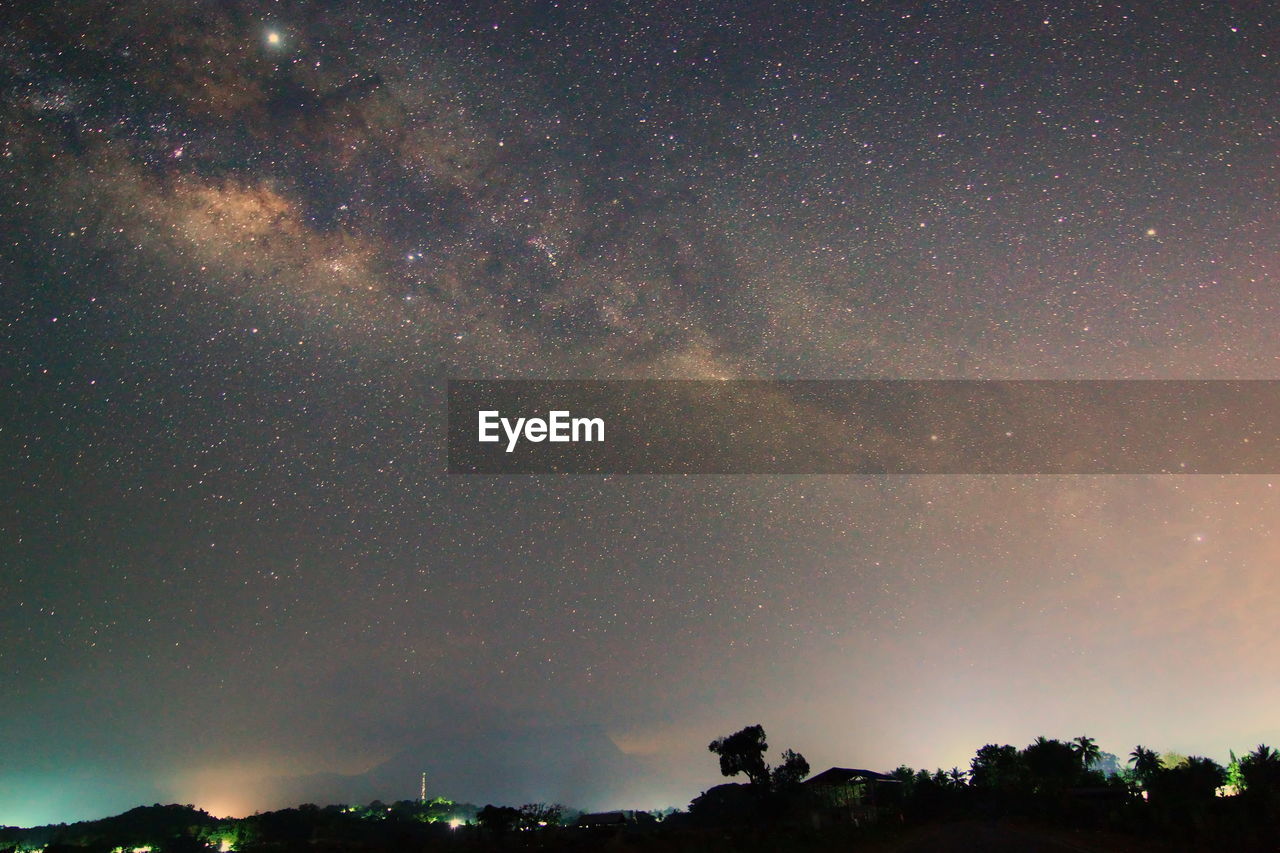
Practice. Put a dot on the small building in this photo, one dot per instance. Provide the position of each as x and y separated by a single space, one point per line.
849 795
603 819
616 819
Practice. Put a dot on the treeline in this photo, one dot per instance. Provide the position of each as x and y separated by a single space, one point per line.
1076 780
1065 783
405 824
438 824
1049 783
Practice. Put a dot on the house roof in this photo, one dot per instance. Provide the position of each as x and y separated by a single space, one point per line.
602 819
844 775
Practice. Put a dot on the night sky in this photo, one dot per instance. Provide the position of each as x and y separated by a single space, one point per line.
244 244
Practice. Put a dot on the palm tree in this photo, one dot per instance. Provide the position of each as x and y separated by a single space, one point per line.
1264 755
1087 749
1146 763
1203 776
1260 770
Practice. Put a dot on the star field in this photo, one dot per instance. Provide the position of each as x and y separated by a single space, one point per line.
245 244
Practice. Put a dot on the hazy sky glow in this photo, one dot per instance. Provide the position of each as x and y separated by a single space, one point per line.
244 245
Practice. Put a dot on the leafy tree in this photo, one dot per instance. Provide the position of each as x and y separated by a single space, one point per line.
1108 763
1052 764
743 752
997 768
535 815
1234 779
500 819
791 771
903 774
1127 779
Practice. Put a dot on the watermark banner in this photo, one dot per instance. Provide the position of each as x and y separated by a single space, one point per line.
883 426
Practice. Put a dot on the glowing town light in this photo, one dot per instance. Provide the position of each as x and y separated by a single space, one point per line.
455 823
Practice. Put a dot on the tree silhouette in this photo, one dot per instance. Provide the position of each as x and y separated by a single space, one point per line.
1208 774
1194 781
791 771
1260 771
1053 765
904 774
499 819
1087 749
997 768
535 815
743 752
1146 764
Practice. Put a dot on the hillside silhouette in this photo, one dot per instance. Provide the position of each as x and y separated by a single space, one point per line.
1050 795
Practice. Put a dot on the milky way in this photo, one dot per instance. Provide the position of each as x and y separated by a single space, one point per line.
245 244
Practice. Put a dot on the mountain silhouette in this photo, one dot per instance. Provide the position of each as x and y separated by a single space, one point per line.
577 766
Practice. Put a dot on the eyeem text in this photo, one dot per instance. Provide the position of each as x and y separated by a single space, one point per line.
558 426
